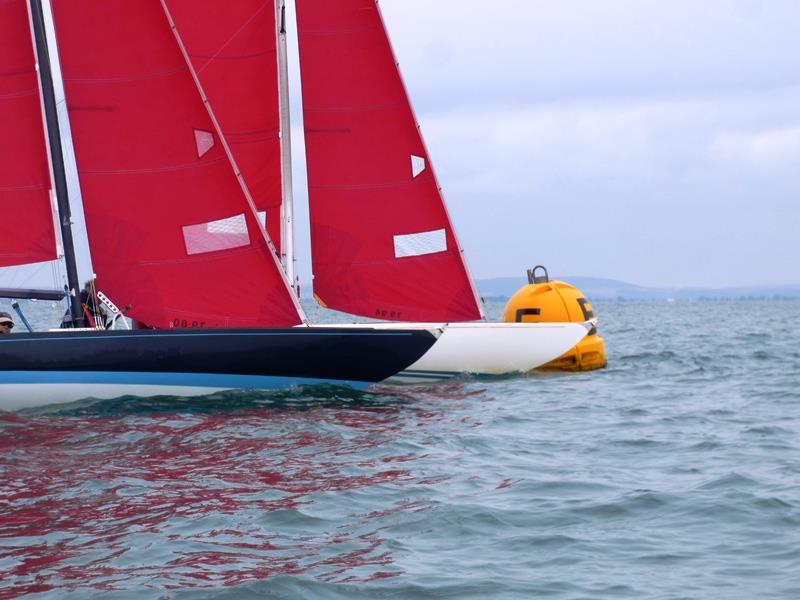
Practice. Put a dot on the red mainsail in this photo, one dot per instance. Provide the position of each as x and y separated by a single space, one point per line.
381 239
233 48
171 232
27 228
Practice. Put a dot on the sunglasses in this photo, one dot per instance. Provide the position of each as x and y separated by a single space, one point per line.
9 325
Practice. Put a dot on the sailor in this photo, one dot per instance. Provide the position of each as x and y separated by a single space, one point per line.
92 311
6 323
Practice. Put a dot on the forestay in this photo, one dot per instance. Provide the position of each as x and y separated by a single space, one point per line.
171 231
27 233
382 242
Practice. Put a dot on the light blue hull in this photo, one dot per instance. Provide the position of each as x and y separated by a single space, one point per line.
29 389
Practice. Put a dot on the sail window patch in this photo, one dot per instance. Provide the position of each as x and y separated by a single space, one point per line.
204 141
419 244
417 165
216 235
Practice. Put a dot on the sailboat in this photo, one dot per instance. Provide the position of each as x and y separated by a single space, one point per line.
172 228
178 112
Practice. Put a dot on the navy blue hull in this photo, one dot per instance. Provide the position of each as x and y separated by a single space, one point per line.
214 358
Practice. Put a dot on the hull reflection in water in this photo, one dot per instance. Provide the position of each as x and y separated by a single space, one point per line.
146 501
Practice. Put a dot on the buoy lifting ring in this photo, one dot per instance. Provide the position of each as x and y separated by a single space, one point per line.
533 278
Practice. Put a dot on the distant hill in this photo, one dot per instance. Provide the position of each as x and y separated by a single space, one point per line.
605 289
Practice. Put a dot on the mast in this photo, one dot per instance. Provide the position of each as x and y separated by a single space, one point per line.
57 160
287 206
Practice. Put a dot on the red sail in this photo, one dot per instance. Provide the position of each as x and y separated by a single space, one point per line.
26 230
233 47
382 243
170 229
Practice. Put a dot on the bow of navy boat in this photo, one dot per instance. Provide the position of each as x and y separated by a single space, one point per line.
485 349
63 366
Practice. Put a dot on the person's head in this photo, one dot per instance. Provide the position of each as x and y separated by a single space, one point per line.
6 323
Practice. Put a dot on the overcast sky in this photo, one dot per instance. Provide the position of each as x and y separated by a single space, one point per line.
649 141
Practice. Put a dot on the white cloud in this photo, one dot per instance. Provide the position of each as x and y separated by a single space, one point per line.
773 149
464 52
625 189
666 139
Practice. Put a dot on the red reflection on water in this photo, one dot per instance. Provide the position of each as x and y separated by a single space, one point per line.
173 501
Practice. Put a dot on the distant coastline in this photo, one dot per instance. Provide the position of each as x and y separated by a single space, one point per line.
595 288
612 289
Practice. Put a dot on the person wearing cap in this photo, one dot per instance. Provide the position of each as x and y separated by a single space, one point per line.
6 323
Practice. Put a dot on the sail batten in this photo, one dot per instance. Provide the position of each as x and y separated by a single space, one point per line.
27 234
382 242
147 175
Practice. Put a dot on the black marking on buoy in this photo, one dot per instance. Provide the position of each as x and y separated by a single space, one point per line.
522 312
587 313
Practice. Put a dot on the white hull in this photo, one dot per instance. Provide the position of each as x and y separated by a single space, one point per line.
486 349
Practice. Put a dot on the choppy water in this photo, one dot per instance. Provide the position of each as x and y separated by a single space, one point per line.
674 473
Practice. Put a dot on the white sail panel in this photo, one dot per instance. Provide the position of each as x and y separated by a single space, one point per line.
420 244
417 165
221 234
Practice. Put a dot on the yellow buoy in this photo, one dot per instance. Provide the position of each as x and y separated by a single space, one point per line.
545 301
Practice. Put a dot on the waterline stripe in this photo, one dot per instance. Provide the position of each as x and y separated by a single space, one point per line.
154 335
212 380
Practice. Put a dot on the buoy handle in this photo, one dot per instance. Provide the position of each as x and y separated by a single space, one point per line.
533 278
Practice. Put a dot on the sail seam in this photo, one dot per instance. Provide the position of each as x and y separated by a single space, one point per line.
16 72
258 135
230 39
232 56
362 108
17 255
331 32
126 78
24 188
15 95
363 186
212 255
153 170
392 261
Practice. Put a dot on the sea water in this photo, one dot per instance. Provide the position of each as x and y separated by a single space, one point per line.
673 473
